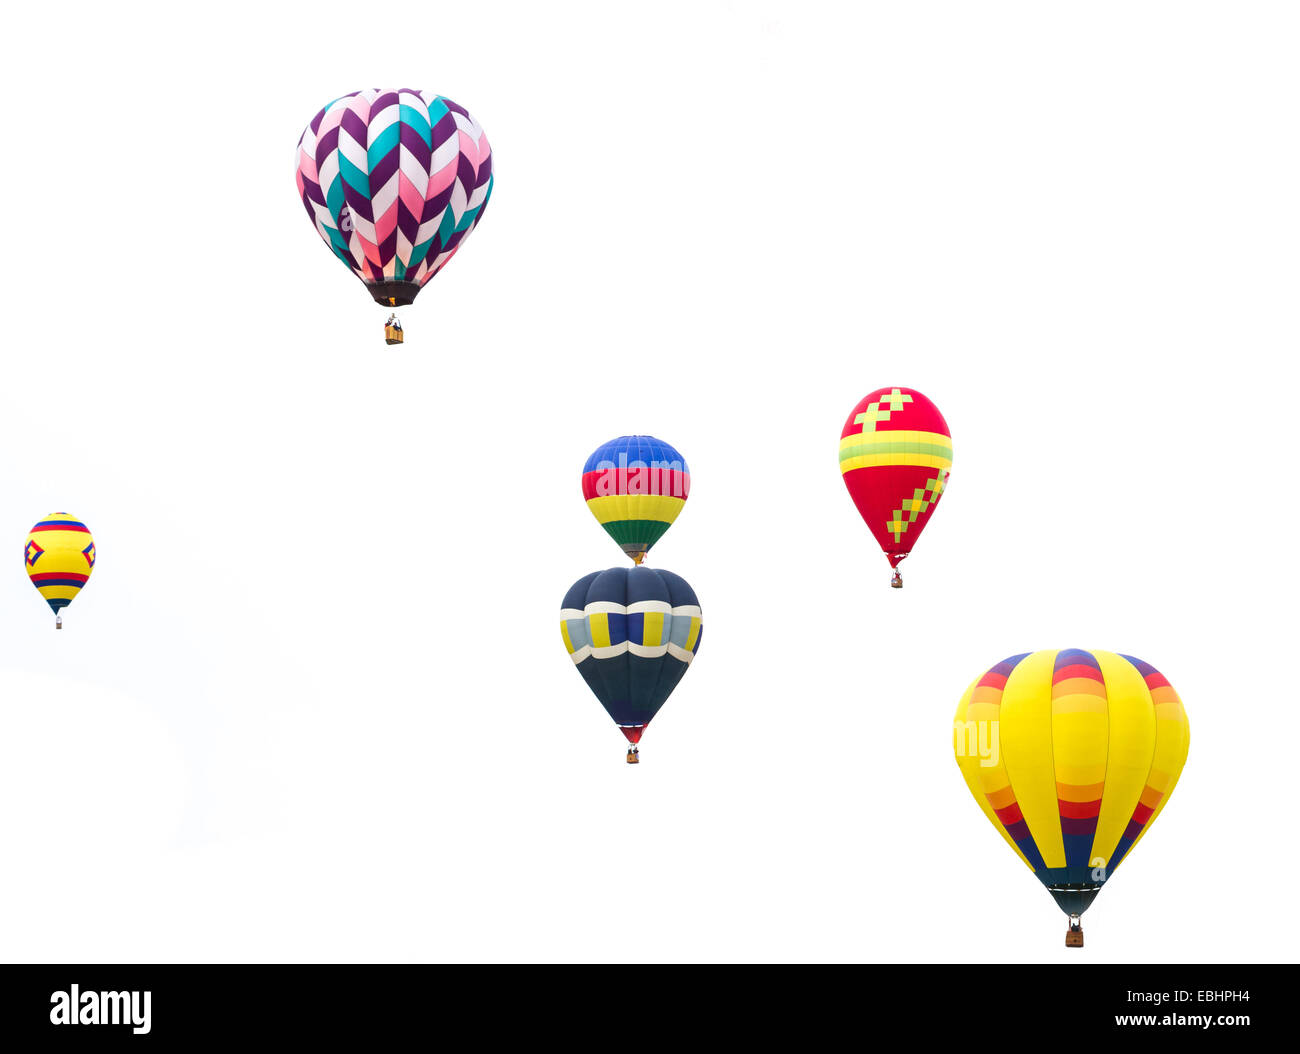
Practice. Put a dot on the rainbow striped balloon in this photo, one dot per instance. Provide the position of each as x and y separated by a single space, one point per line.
60 555
1071 754
635 486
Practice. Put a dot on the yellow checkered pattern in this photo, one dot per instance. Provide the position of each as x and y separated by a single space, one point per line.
912 508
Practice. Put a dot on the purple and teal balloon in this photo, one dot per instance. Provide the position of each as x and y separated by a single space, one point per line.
394 182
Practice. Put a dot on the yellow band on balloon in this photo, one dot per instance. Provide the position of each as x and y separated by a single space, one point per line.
1026 740
58 592
1131 742
611 508
899 435
872 460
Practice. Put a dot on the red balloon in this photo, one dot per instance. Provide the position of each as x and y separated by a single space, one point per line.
895 455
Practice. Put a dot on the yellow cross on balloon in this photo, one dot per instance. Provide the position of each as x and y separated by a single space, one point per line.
873 413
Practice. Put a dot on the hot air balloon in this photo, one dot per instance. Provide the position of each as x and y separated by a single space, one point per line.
635 486
394 181
60 554
1072 755
632 632
895 454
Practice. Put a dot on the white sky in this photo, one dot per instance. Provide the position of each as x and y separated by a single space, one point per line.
314 702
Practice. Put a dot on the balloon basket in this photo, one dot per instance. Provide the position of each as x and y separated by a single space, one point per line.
633 756
58 622
897 581
1074 935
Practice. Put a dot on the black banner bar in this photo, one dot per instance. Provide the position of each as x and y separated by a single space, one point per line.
164 1004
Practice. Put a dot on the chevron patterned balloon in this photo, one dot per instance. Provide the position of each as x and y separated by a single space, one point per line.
394 181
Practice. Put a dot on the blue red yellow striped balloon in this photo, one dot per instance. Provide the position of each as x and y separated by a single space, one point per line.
632 632
635 486
1072 755
59 555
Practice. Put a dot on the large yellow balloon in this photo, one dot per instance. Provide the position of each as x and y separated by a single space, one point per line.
1071 755
60 555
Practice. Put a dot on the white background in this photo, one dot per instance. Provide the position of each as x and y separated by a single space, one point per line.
314 704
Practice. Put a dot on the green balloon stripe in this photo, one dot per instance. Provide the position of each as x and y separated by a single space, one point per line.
896 448
636 532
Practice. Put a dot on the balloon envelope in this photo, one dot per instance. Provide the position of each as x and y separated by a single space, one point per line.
895 456
635 486
394 182
60 555
632 632
1071 754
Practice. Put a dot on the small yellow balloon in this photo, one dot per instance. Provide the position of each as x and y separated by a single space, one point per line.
60 555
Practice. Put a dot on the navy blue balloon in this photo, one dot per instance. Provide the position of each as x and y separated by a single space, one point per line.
632 632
